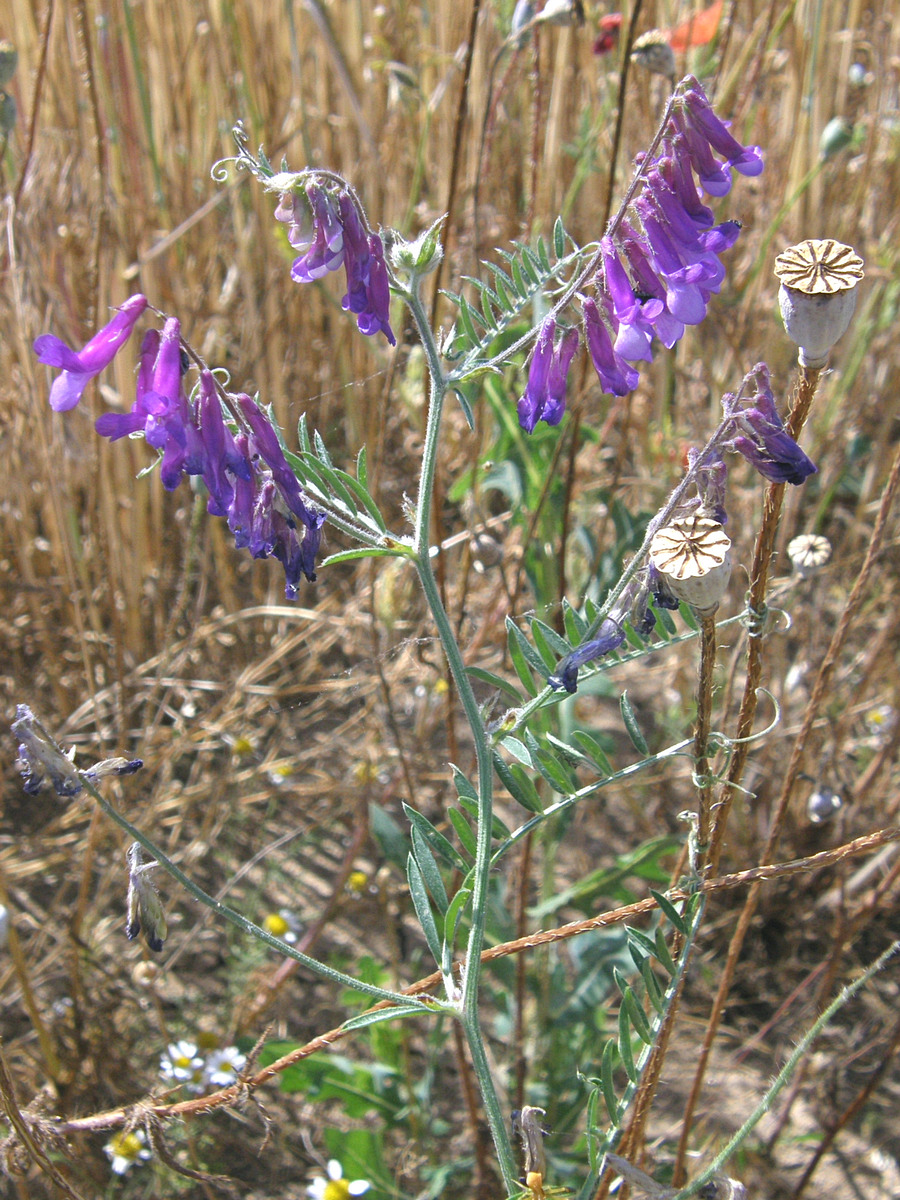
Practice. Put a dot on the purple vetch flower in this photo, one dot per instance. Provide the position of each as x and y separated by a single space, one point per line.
637 256
545 393
315 229
635 317
615 374
762 438
368 293
80 367
609 637
147 403
698 118
223 458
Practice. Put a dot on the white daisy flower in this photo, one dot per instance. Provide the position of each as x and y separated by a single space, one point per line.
183 1064
223 1065
126 1150
284 924
336 1187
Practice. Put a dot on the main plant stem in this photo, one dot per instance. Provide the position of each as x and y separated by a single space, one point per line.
468 1001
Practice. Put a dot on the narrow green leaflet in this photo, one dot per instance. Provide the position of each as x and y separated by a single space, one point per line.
386 1014
663 957
436 840
496 681
463 830
625 1050
593 750
322 451
463 786
608 1081
651 983
559 238
519 785
429 868
362 469
672 914
419 896
362 552
631 725
637 1016
515 634
499 830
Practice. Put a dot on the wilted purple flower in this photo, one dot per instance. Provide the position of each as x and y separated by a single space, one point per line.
80 367
609 637
711 479
545 393
40 759
615 374
762 439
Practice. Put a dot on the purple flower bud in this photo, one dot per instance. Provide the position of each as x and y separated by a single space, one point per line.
368 292
609 637
79 368
615 374
222 455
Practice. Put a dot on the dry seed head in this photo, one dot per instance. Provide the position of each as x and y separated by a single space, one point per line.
653 52
817 294
694 558
808 552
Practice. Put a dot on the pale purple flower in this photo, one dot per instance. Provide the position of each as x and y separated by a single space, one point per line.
316 230
80 367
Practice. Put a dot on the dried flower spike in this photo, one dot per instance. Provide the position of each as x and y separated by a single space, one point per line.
694 558
817 295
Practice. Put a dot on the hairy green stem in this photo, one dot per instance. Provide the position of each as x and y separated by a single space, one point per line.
481 873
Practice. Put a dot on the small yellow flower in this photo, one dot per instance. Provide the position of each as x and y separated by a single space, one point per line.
357 882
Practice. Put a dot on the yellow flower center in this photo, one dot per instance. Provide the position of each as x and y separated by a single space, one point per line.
127 1145
357 882
276 925
337 1189
182 1061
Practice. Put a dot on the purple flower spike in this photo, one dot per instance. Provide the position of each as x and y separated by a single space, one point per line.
79 368
614 373
609 637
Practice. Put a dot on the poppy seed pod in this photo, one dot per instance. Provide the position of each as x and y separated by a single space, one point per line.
817 295
694 558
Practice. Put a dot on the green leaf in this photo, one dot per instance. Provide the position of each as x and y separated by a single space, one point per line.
519 785
463 830
385 1014
322 451
360 493
515 634
625 1050
436 840
631 725
362 552
498 829
429 869
593 750
465 318
576 626
465 406
637 1017
550 767
673 916
608 1083
303 435
496 681
559 238
558 646
521 286
463 786
452 919
517 749
663 957
664 618
520 666
531 265
543 256
651 983
362 468
419 896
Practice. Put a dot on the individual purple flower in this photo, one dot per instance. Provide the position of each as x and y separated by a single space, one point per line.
147 403
223 458
317 231
615 374
762 439
545 393
698 115
635 316
368 292
609 637
80 367
637 255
